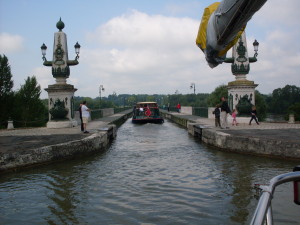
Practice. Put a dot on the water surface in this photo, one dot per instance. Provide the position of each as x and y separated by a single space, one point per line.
151 174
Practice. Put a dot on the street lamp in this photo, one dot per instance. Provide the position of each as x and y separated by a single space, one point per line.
101 88
193 86
60 63
77 50
44 48
255 45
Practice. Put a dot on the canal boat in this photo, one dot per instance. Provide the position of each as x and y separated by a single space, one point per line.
146 112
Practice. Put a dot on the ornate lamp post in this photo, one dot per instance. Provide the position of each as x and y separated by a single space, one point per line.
193 85
101 88
61 94
255 45
241 92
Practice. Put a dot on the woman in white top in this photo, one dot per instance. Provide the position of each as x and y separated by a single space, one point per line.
85 116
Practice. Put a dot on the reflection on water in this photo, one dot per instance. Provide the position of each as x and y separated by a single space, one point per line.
152 174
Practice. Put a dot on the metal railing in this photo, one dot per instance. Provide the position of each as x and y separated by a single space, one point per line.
263 212
200 111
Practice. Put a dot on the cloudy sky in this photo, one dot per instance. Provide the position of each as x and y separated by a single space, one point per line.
143 47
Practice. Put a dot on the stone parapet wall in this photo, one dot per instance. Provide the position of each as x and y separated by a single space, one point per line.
187 110
97 142
251 145
270 147
107 112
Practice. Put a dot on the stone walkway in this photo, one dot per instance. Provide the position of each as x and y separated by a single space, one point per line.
29 138
284 132
262 125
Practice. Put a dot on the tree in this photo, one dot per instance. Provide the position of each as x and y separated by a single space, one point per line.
29 109
283 98
6 93
261 106
214 98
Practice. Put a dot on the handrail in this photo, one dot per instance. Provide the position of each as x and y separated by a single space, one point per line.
263 210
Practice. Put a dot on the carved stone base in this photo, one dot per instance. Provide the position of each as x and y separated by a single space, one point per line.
241 89
65 93
62 124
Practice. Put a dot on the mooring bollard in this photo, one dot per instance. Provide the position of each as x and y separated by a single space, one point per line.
291 118
10 124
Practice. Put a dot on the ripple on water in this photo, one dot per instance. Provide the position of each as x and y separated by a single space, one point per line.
152 174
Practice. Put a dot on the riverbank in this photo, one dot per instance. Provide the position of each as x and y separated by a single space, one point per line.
280 140
34 146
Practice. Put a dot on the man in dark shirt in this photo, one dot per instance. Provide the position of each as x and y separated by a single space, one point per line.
224 113
80 116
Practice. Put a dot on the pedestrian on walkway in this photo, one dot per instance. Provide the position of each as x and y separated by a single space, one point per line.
80 116
85 116
217 115
253 115
178 107
224 113
168 107
234 114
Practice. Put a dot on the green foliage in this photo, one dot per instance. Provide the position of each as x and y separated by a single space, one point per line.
283 98
58 111
215 97
261 106
29 110
6 83
6 93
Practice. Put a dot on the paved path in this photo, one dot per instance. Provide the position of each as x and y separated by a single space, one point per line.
280 131
30 138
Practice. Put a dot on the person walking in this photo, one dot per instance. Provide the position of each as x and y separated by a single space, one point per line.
85 116
234 114
217 112
178 107
224 113
253 115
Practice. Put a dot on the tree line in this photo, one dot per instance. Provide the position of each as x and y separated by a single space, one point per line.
282 101
23 106
26 109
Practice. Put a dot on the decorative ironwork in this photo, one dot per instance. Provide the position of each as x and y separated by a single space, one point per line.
72 107
59 53
61 72
58 111
240 69
244 105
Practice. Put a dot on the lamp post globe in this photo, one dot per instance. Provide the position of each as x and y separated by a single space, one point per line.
255 45
77 49
44 48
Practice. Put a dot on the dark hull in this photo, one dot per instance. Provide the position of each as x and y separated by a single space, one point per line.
148 120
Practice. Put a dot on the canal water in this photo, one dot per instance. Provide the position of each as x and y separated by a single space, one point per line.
151 174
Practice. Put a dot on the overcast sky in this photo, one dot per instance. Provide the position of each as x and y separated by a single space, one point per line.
143 47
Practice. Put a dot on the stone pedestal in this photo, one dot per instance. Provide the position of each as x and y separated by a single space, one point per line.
10 124
239 89
65 93
291 118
